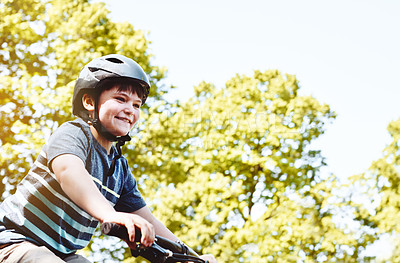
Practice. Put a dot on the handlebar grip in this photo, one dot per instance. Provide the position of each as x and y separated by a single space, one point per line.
176 247
120 231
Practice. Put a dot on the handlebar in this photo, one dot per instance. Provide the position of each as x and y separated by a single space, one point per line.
161 251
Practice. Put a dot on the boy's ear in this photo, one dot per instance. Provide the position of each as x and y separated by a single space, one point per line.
88 102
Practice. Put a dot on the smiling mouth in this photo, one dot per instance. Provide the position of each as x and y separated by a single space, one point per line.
124 119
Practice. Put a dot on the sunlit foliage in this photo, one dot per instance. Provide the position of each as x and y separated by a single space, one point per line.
232 171
44 45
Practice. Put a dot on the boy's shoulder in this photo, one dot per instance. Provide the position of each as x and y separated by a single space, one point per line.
75 125
72 137
77 129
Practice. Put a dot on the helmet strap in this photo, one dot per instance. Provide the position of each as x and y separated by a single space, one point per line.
120 143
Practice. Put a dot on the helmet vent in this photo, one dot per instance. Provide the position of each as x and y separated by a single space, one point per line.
115 60
92 69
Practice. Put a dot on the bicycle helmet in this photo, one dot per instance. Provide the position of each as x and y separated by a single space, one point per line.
111 66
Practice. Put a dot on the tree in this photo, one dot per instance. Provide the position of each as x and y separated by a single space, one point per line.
233 172
378 195
44 46
17 69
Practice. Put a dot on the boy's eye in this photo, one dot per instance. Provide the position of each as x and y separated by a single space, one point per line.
120 99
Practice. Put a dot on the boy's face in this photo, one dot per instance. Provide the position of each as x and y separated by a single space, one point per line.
119 110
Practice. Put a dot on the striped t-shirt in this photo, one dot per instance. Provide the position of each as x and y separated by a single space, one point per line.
40 211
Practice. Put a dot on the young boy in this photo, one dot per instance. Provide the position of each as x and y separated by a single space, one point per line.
80 178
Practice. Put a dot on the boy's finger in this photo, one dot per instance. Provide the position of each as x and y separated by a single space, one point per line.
131 231
147 236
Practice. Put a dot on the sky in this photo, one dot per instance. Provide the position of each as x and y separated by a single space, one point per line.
345 53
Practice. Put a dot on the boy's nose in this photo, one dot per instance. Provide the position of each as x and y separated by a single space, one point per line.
130 110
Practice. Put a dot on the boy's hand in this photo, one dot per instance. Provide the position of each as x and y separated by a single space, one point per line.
131 222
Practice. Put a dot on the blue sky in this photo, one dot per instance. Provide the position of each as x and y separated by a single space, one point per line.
344 53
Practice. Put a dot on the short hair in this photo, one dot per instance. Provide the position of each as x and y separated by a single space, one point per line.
123 84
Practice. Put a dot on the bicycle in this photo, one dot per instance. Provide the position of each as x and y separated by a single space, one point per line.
161 251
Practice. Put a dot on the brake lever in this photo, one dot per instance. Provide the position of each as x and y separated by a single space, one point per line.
162 251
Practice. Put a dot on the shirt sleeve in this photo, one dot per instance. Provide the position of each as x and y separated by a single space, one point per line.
67 139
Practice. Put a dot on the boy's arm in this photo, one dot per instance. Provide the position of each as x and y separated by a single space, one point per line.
77 183
160 228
